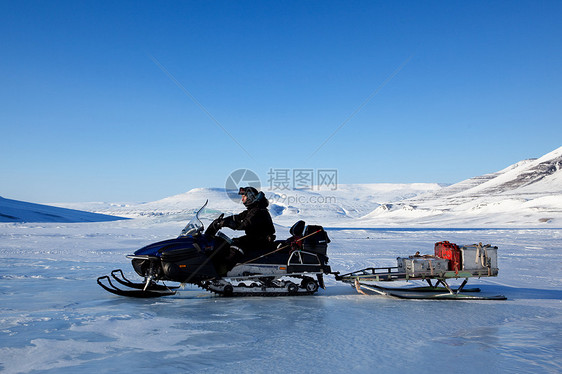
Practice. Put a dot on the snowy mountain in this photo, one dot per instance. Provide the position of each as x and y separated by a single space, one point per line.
526 193
20 211
346 203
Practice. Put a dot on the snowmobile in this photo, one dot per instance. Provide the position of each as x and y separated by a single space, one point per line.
294 266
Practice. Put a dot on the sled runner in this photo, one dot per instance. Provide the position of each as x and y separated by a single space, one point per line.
294 266
449 262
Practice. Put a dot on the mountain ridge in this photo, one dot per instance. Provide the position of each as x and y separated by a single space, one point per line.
527 193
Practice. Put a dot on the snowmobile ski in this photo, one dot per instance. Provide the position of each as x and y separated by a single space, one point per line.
426 293
152 286
154 290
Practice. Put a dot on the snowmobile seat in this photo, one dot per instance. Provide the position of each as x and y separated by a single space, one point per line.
297 229
316 240
293 242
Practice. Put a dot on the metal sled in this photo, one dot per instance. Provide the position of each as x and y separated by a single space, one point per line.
365 281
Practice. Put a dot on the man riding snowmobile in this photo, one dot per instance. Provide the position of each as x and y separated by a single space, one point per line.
256 223
198 256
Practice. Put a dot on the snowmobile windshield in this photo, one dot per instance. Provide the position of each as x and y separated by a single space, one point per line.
194 226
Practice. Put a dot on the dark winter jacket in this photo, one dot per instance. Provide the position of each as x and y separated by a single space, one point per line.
255 220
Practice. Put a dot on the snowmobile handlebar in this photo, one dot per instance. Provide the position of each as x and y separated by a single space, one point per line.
215 226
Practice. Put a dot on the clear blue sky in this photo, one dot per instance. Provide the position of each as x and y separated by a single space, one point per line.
88 112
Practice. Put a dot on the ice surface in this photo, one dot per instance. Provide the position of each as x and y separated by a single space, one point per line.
55 319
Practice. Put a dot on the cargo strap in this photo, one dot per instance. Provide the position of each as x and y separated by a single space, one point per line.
482 257
358 287
431 267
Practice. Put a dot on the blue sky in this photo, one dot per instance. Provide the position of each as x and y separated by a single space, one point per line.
135 101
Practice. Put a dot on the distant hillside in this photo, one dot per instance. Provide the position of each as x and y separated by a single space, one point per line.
20 211
525 194
347 202
528 193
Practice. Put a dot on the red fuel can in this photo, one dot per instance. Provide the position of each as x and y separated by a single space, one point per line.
451 252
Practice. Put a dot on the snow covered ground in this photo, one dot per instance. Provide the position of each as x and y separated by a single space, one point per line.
55 319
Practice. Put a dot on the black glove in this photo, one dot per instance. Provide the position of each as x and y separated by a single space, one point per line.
229 222
215 226
219 222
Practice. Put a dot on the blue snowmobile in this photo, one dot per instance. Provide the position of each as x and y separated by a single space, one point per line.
294 266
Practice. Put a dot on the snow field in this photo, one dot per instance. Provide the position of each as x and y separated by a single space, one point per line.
55 319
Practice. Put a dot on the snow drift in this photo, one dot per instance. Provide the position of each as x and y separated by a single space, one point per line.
20 211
